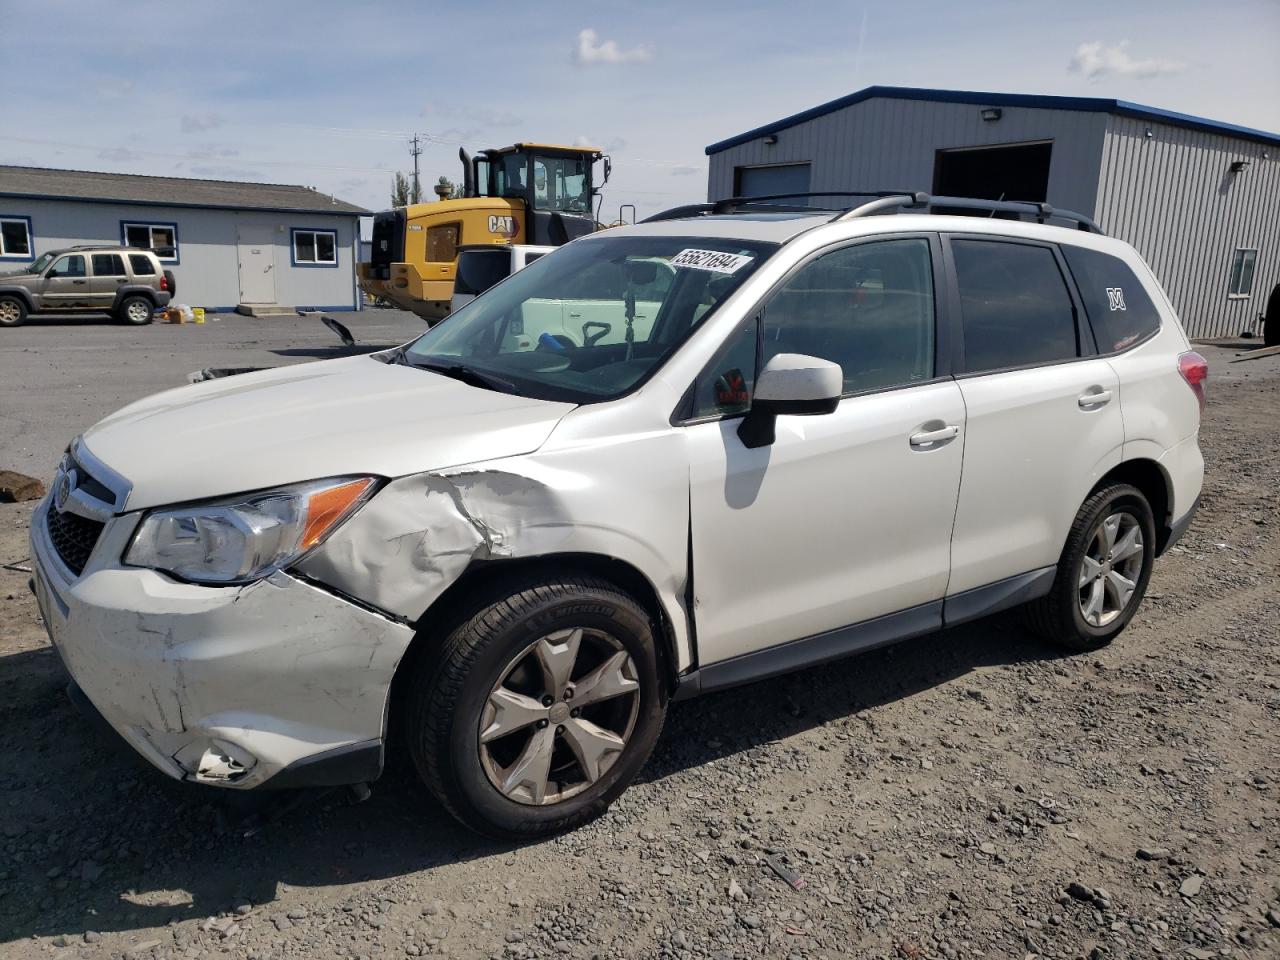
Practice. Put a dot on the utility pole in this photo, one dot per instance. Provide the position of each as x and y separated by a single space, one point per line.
416 152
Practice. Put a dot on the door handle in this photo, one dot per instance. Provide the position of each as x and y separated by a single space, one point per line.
575 314
928 438
1094 397
77 282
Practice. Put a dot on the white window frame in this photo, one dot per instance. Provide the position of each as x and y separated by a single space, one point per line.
315 247
151 228
1238 256
26 225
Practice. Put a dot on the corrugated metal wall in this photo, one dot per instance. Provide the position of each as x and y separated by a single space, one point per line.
1173 197
889 144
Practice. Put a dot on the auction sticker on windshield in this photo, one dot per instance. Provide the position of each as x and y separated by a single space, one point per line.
713 260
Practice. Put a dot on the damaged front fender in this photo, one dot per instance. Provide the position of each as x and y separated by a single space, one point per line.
419 535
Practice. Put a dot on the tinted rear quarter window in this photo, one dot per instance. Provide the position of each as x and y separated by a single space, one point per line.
141 265
1120 312
1015 308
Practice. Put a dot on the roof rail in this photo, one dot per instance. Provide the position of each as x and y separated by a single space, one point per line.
734 204
1042 212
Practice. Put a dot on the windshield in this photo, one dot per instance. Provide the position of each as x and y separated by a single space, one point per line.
561 183
593 320
41 263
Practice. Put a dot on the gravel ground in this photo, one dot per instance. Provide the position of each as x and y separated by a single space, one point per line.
969 794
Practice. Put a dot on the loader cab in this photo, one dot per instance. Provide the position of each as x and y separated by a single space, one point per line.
555 183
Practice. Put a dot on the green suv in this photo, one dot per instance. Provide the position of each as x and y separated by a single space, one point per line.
126 282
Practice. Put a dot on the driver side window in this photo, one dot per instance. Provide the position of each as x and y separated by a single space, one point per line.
72 266
868 307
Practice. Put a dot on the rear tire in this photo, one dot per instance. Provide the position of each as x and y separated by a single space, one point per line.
475 725
1103 571
136 311
13 311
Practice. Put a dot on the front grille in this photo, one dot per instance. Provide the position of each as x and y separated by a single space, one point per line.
73 537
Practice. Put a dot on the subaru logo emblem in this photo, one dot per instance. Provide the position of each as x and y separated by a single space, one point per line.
63 487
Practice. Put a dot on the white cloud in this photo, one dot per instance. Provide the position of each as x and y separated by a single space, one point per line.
115 88
591 50
1097 60
200 122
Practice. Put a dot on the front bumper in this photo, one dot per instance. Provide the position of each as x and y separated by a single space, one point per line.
287 680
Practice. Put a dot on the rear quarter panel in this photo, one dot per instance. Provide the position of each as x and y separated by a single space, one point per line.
1161 413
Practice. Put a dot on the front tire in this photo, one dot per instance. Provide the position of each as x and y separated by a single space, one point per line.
136 311
538 709
1103 571
13 311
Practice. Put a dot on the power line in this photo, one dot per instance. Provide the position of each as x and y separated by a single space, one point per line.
196 156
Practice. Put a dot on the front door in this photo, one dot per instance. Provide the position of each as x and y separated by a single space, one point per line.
1044 418
256 248
846 516
66 284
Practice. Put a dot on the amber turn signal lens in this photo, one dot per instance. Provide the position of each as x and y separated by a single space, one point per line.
326 507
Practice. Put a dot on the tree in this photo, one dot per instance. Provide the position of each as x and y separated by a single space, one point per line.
404 191
446 189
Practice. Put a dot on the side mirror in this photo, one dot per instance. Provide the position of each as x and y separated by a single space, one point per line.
794 384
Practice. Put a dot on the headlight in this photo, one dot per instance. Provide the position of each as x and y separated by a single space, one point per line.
245 538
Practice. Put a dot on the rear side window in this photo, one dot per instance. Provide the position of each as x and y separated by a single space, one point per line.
108 265
142 266
1119 309
1014 304
478 270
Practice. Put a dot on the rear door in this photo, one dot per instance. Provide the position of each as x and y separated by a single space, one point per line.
66 284
108 276
1043 410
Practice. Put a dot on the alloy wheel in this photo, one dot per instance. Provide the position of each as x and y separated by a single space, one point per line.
9 312
138 312
560 715
1110 568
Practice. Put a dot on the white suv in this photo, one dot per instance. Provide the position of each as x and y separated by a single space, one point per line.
507 553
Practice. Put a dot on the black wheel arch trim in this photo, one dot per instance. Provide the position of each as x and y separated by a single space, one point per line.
134 291
22 294
1169 534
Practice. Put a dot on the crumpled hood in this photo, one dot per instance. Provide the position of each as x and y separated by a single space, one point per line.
356 415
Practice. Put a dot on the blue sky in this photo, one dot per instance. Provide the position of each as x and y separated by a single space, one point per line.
326 94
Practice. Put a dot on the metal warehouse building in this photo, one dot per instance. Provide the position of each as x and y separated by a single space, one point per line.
256 246
1199 199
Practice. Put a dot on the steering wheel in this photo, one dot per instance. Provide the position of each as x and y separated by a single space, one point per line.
591 339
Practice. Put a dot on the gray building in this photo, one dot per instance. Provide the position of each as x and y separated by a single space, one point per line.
1199 199
229 244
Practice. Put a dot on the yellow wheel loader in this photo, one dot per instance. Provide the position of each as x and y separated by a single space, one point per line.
528 193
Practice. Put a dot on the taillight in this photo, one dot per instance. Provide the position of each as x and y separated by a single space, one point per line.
164 282
1195 370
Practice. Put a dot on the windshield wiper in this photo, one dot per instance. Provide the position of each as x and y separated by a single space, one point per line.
464 374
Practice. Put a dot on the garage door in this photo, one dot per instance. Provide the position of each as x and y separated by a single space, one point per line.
771 180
